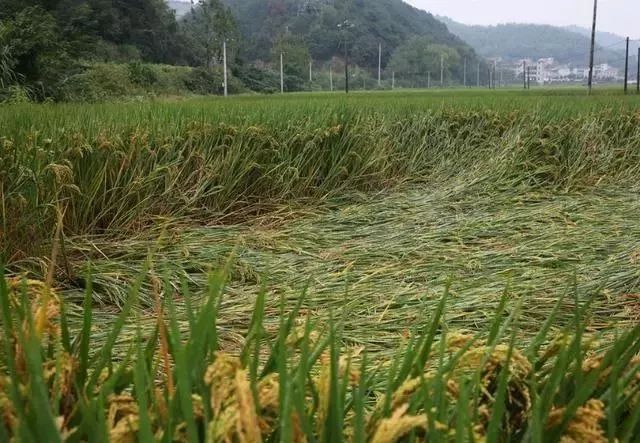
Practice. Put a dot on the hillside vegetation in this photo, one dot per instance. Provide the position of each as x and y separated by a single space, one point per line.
389 22
55 50
514 41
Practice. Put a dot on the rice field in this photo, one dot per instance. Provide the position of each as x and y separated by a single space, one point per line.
388 267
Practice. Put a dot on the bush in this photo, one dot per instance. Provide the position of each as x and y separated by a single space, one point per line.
142 74
109 52
204 82
259 80
99 82
15 94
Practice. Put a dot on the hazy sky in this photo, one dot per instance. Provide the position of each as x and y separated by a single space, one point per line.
619 16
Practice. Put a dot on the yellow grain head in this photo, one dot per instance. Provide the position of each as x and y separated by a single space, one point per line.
519 370
247 426
43 301
122 419
220 378
585 426
392 429
7 410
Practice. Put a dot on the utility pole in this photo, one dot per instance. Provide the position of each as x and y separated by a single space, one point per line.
524 73
344 27
495 78
593 44
331 77
310 71
464 76
489 75
626 68
501 81
346 67
393 80
224 62
478 76
529 77
442 70
379 65
281 73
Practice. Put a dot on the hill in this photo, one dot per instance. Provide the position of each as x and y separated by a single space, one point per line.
389 22
604 39
515 41
607 40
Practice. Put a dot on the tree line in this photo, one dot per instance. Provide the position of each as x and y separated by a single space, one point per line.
45 45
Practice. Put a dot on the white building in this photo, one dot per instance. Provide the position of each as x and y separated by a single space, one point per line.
605 71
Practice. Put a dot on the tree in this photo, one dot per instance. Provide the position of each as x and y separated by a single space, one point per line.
388 22
205 28
420 56
34 52
40 39
296 55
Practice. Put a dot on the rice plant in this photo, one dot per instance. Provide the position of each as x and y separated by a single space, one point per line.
450 266
302 384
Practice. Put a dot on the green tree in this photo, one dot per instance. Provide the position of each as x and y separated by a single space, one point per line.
295 52
34 51
388 22
420 56
205 28
40 39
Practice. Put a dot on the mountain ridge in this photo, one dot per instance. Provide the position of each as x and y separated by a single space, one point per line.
512 41
387 22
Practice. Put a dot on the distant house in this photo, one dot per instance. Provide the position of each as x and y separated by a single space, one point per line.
605 71
546 71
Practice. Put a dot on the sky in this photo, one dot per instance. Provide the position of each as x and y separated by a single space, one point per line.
618 16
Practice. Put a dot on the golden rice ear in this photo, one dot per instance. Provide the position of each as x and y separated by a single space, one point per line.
125 431
220 377
586 424
123 419
67 366
8 416
247 425
391 429
322 383
518 391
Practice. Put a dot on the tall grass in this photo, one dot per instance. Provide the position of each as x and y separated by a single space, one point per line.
402 214
118 177
302 384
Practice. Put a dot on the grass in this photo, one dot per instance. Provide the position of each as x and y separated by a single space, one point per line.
448 266
302 384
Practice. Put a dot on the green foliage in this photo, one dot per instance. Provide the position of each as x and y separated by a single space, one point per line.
106 52
41 41
259 80
492 188
109 81
313 149
389 22
205 29
300 381
295 55
7 63
419 56
33 50
99 82
141 74
15 94
207 81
